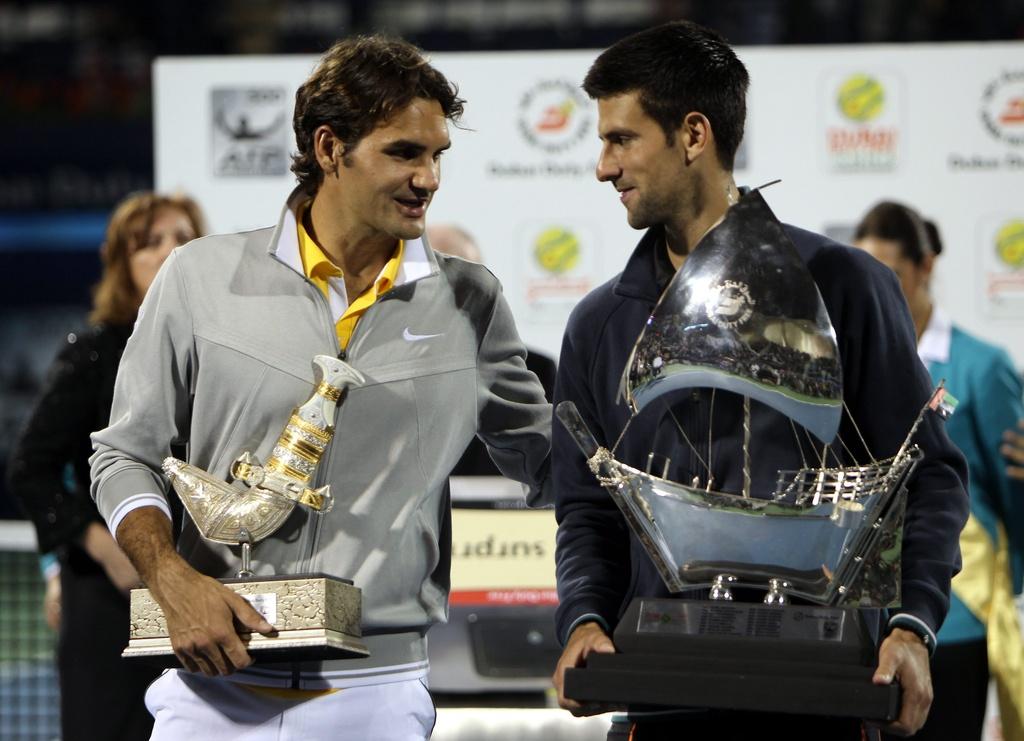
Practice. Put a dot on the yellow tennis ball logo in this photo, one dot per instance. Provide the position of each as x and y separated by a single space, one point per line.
861 98
557 250
1010 243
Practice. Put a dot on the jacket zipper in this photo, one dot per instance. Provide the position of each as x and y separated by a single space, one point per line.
314 520
315 528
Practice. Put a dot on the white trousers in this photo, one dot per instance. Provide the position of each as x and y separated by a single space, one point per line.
191 707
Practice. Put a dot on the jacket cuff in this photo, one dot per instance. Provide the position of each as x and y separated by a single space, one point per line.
136 502
588 618
906 621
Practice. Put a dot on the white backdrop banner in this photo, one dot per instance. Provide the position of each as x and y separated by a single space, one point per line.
940 127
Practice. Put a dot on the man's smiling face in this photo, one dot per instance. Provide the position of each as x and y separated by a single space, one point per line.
636 158
386 182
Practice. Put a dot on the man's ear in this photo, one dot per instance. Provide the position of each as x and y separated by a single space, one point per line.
328 149
928 264
694 135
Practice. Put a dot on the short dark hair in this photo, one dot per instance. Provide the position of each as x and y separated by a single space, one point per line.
360 83
901 224
677 68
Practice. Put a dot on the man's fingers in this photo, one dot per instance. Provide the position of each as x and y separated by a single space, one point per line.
216 653
195 661
248 616
886 671
1013 452
207 653
586 638
602 645
234 653
186 661
903 656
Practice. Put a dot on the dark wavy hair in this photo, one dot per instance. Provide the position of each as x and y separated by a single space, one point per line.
360 83
903 225
677 68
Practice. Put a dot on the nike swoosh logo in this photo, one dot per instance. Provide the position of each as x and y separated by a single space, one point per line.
410 337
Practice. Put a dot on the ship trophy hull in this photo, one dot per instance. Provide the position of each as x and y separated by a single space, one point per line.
805 660
316 617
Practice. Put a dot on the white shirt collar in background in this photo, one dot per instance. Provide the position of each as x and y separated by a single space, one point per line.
934 344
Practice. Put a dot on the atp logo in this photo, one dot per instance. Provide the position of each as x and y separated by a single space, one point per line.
250 131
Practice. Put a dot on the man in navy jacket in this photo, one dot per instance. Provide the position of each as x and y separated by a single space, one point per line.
671 110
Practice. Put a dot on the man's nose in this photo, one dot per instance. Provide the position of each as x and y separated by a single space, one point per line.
427 177
607 166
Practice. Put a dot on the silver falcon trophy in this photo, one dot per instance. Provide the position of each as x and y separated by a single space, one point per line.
743 315
315 616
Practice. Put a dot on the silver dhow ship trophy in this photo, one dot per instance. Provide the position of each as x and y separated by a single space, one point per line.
819 544
315 616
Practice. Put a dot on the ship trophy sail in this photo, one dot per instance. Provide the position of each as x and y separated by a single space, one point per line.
315 616
743 315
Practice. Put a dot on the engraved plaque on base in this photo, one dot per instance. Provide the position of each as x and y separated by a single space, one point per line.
315 616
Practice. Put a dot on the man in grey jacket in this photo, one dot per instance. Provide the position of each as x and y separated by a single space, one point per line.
220 356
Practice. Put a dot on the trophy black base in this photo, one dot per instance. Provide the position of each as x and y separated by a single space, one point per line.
804 660
316 617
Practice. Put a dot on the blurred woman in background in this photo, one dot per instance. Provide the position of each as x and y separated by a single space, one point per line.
980 634
101 695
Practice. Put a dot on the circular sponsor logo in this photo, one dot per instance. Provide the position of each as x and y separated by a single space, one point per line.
554 115
1010 243
1002 107
861 98
729 304
557 250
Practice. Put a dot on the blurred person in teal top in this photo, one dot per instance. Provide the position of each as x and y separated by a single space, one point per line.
980 635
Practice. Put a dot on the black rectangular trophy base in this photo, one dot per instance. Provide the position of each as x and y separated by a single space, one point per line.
805 660
317 617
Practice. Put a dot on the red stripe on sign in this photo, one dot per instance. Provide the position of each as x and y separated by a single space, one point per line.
504 597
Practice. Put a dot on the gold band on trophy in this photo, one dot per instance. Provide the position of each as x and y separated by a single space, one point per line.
328 391
301 447
311 498
320 434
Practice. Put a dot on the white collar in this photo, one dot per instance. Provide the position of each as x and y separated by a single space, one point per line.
415 263
933 347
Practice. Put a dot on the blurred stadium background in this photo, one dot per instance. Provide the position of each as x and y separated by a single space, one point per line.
76 136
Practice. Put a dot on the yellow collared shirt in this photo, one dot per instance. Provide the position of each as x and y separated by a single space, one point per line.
328 277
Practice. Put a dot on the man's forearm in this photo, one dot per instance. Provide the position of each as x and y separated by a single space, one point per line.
145 536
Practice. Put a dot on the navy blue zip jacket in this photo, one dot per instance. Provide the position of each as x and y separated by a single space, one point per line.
601 566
